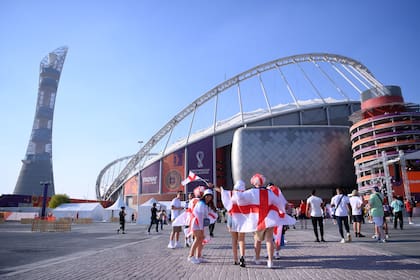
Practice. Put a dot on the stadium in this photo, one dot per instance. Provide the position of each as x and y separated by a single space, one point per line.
288 119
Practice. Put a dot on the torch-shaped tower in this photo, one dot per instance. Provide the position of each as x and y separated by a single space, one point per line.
37 166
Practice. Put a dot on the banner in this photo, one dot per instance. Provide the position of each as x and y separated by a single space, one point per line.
200 161
130 187
173 172
150 178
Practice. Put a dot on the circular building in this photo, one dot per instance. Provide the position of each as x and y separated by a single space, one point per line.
287 119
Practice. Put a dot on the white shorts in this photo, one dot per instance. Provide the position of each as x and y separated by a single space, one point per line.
378 221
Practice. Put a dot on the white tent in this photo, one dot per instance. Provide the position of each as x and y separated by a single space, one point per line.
114 210
93 211
143 217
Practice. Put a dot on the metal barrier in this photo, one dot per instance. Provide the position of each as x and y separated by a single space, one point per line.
51 226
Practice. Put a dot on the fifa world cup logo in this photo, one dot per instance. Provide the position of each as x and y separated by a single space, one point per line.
199 156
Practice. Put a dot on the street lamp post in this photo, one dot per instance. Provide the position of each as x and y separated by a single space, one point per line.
44 198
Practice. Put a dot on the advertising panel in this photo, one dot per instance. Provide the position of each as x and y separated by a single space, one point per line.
150 178
200 161
130 187
173 172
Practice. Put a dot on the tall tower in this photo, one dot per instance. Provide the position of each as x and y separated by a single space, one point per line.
383 127
37 166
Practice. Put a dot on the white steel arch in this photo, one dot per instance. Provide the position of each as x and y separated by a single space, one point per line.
354 70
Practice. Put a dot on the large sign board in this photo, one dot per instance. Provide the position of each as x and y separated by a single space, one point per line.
173 167
200 161
150 178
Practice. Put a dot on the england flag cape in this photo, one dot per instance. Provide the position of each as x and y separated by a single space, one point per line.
286 219
190 217
255 209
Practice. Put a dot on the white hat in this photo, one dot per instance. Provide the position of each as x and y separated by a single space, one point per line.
208 191
239 186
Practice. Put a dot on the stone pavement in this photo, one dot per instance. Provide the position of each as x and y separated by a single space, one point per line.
95 251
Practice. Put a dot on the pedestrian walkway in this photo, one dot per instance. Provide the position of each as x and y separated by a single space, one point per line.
136 255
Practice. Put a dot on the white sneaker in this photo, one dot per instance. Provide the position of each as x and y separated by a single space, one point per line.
348 237
171 245
411 223
194 260
178 245
343 240
374 236
270 264
276 255
257 261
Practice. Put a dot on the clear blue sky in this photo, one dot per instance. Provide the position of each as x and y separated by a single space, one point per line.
130 62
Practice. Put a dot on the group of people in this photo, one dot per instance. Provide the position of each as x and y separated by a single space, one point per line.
263 211
352 207
157 217
260 210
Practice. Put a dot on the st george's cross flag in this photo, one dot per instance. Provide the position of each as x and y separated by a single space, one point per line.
255 209
191 178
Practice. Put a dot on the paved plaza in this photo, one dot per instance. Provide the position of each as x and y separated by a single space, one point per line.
95 251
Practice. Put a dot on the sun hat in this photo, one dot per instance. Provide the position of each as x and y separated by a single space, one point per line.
208 192
257 180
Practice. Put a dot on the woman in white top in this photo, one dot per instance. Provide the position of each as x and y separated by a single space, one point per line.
199 214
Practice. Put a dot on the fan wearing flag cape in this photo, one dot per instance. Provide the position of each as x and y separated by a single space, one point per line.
200 214
238 238
258 210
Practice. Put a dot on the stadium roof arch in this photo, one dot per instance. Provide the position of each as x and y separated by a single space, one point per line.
292 83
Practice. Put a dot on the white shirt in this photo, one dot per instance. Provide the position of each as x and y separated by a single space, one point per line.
315 203
176 202
341 209
356 203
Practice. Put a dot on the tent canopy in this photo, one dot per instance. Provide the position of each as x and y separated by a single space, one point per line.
92 211
114 210
144 213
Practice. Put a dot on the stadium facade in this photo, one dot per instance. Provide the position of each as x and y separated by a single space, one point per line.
385 140
299 145
37 166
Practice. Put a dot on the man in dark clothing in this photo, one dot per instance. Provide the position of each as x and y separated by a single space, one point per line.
122 220
153 218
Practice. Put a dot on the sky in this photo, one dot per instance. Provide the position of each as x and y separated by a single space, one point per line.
133 61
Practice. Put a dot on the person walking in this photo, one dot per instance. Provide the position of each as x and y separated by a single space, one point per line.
302 214
377 213
397 208
122 220
162 218
238 238
269 206
313 209
176 209
153 218
341 204
356 204
409 204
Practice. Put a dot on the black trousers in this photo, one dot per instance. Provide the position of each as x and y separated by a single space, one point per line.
340 221
154 221
317 221
398 216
